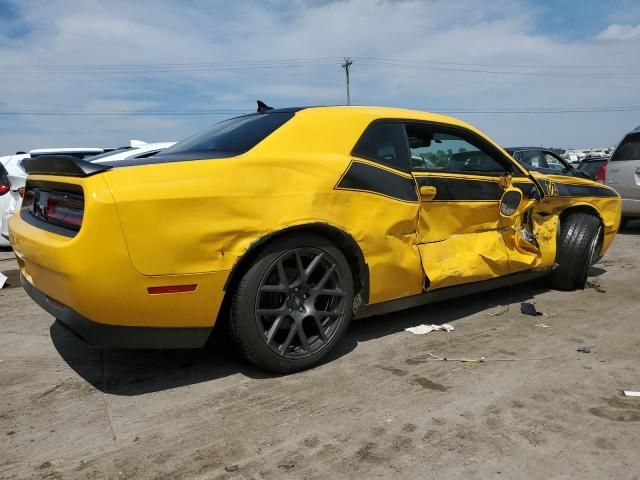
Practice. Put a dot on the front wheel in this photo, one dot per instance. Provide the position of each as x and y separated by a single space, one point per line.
577 249
293 304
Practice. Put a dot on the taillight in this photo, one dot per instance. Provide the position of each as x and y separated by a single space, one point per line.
602 173
4 188
21 192
65 210
28 199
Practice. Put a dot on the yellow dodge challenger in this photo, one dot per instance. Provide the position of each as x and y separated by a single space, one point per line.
284 224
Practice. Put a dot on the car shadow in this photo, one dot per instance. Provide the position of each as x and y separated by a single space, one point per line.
13 278
136 372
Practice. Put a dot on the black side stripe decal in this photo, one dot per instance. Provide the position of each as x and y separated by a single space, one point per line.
364 177
528 189
459 189
566 190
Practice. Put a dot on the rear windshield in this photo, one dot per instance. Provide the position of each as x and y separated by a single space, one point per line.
228 138
629 148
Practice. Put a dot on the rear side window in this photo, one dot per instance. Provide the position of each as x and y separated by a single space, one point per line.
230 137
436 149
386 143
629 148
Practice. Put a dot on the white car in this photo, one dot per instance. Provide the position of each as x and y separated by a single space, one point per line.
137 150
17 176
623 174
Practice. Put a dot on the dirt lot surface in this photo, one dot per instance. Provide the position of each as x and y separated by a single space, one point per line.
380 408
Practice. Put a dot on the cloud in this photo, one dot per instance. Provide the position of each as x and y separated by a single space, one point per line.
176 56
617 32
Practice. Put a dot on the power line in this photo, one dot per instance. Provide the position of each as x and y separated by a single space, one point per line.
451 110
466 80
501 65
408 66
317 59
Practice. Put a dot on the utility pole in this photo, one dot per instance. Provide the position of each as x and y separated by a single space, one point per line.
346 65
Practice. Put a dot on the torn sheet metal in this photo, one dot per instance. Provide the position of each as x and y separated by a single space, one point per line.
424 329
464 258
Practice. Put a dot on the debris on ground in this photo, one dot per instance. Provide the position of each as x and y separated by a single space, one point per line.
431 356
631 393
501 312
422 329
287 466
596 286
231 468
584 349
3 280
527 308
541 325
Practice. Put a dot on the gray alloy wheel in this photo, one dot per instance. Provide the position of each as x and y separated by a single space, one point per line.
300 303
293 304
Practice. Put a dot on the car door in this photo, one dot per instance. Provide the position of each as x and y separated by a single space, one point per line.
461 180
623 172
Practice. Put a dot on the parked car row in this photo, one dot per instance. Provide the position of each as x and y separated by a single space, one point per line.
13 175
621 171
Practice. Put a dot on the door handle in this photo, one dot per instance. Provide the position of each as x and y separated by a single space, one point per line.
427 192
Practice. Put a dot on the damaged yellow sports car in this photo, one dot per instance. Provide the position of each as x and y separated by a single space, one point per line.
284 224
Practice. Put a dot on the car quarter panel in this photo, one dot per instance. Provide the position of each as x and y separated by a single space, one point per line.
562 193
92 271
202 216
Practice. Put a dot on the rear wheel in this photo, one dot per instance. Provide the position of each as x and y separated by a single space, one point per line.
577 249
293 304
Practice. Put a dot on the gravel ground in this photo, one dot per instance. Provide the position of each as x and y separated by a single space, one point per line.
380 408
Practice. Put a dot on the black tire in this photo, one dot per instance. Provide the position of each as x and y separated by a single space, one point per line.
577 249
280 298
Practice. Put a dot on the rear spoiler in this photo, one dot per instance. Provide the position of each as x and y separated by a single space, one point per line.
63 165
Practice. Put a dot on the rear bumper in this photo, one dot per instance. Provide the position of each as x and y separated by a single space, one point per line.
119 336
4 229
630 207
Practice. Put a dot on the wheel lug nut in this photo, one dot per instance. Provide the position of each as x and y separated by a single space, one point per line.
296 289
301 309
290 310
305 296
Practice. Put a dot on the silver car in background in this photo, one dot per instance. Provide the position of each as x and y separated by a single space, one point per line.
623 174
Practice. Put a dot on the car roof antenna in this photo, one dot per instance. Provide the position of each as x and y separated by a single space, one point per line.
263 107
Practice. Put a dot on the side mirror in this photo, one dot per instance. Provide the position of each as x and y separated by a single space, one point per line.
510 202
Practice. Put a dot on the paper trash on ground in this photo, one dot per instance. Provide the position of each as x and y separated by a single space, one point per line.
422 329
631 393
3 280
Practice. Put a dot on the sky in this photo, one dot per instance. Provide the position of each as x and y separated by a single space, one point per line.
559 73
